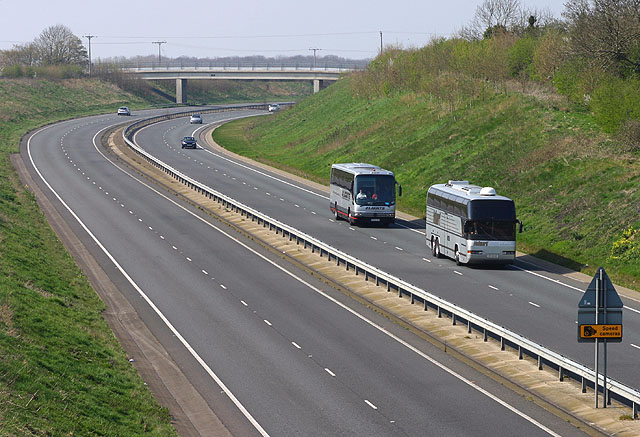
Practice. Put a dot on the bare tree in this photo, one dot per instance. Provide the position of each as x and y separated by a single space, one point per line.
26 54
59 46
606 31
490 16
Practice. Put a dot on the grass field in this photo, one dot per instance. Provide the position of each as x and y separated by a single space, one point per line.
62 372
575 191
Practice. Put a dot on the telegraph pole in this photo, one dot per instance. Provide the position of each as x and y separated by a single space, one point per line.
159 45
380 42
89 38
314 56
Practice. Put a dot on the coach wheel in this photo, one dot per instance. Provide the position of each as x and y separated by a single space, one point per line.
336 215
436 249
457 256
351 221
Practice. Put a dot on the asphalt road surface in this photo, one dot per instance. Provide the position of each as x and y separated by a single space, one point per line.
289 355
537 304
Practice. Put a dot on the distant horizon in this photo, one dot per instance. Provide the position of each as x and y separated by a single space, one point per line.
351 30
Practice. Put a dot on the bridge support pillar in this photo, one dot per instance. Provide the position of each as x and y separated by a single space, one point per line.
318 85
181 91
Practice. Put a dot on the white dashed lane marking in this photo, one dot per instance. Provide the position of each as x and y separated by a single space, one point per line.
330 372
534 304
370 404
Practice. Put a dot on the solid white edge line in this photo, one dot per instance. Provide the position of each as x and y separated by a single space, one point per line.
317 290
371 323
567 285
192 351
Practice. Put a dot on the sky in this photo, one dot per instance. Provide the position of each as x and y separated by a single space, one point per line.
272 28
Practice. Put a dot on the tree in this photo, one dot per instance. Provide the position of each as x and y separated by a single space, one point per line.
26 54
59 46
606 31
492 17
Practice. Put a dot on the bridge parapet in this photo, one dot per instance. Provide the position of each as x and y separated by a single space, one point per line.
319 76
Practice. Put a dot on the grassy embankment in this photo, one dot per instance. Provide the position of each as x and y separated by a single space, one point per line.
233 91
575 193
62 372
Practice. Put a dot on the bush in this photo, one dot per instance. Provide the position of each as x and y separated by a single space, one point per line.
549 56
615 102
13 71
627 247
520 56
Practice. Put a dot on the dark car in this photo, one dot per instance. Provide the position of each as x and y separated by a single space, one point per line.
189 143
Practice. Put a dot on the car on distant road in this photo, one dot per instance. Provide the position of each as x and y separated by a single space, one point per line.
123 110
189 143
274 107
196 119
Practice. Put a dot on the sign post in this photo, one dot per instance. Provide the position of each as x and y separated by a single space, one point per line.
600 317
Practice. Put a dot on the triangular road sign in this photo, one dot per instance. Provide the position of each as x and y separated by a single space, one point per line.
588 300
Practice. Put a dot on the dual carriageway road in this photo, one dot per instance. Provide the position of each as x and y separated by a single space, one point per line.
292 356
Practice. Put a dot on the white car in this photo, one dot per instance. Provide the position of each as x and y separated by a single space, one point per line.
274 107
196 119
123 110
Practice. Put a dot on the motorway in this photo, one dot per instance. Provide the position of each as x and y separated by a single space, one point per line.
291 355
537 304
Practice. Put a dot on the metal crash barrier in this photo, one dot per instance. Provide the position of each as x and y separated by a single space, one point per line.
565 367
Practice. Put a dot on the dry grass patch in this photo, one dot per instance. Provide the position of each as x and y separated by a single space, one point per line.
6 319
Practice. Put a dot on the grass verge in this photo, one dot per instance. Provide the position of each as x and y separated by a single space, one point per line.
62 371
574 188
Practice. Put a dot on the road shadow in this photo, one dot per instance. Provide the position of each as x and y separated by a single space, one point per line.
411 224
543 260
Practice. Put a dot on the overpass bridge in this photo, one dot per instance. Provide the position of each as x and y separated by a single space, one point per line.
320 76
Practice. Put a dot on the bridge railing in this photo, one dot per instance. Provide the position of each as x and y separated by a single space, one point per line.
566 367
244 65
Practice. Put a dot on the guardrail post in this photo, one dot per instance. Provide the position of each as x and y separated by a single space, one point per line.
486 337
501 343
413 300
426 306
399 292
540 363
439 312
635 410
377 281
453 319
388 286
560 374
519 352
584 384
468 326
